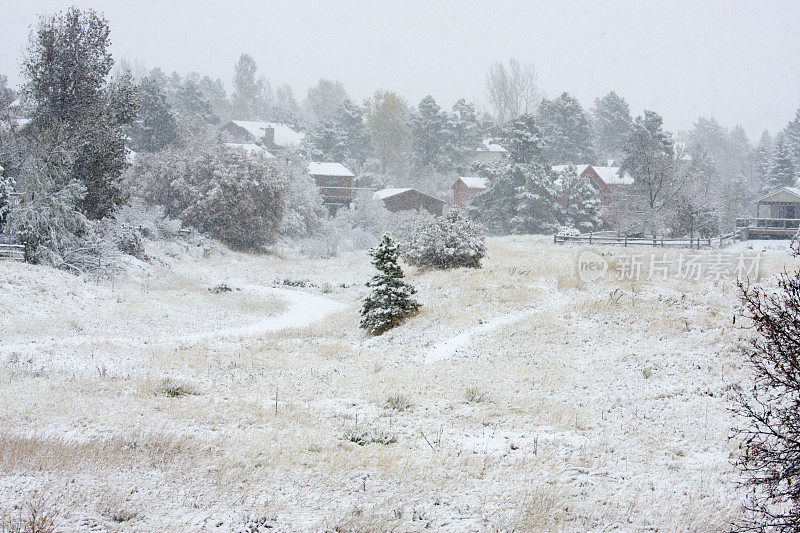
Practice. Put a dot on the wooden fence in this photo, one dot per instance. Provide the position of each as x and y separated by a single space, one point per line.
12 251
606 238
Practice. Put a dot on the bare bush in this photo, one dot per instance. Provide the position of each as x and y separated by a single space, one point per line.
771 410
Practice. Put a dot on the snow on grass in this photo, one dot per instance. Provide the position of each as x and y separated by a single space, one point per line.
559 406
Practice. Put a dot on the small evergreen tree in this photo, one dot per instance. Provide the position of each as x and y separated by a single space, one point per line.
581 204
390 302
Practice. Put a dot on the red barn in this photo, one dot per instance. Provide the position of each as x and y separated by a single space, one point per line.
466 187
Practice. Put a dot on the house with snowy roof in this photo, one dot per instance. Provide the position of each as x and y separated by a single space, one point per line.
777 215
274 137
603 179
465 187
489 151
408 199
335 182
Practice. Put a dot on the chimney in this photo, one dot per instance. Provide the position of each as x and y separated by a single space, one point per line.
269 137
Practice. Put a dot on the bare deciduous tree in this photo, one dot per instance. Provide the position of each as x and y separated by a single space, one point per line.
512 90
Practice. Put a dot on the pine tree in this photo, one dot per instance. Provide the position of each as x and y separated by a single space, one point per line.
566 131
463 136
612 122
190 101
581 204
792 132
323 98
428 136
390 302
67 66
7 94
248 92
156 127
522 198
782 171
341 136
761 155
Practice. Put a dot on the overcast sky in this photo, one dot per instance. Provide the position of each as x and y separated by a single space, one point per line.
738 61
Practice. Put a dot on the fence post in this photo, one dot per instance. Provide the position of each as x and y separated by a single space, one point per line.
626 241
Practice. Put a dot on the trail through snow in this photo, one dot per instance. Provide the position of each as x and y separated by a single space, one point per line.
448 348
303 309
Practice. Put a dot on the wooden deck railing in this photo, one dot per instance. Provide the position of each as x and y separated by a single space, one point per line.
778 223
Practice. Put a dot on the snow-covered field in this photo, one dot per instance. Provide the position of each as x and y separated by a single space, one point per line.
517 398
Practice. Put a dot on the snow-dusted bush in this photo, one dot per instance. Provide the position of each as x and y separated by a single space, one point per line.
305 213
148 219
390 302
46 218
446 242
232 195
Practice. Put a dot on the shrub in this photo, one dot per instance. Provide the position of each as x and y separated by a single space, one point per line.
235 196
174 389
474 395
371 436
398 402
446 242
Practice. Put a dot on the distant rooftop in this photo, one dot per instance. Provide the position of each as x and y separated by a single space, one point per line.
284 135
316 168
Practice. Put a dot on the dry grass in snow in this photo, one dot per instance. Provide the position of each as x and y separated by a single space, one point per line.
151 403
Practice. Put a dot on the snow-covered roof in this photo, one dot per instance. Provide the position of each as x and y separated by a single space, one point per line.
130 156
781 195
488 146
316 168
578 168
474 182
386 193
611 176
250 148
284 135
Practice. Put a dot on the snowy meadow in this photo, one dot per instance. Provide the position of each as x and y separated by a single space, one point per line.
518 398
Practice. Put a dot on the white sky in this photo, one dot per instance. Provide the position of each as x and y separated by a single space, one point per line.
735 60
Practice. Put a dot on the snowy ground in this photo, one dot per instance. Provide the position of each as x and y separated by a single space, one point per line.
518 398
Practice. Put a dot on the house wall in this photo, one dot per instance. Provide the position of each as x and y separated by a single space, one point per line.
336 195
461 194
413 200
